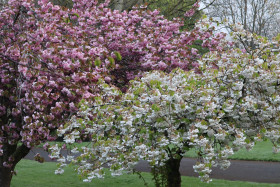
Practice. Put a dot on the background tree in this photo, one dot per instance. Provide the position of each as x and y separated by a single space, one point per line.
257 16
169 8
65 3
125 4
2 3
177 9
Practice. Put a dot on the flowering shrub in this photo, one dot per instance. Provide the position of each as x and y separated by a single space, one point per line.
51 57
230 102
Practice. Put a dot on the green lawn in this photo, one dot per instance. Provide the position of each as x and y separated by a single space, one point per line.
34 174
261 151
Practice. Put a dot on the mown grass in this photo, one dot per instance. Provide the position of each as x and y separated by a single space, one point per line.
34 174
262 151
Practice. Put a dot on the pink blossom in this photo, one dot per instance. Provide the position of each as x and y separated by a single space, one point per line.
7 165
107 79
2 110
162 65
46 146
196 5
87 95
72 106
190 13
194 51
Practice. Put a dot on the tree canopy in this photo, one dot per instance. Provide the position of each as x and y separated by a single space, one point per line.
132 84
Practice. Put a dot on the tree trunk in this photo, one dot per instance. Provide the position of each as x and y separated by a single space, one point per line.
172 172
5 176
16 153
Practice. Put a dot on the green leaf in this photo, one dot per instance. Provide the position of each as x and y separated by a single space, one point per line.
256 74
122 157
76 14
160 120
118 56
112 61
278 37
264 57
183 106
97 62
155 107
66 20
171 92
264 65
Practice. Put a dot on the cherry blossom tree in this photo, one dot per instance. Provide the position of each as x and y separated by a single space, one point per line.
53 57
231 101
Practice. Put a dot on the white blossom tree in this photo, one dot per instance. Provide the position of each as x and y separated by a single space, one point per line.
230 102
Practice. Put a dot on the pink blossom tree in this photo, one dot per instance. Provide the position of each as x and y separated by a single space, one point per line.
51 57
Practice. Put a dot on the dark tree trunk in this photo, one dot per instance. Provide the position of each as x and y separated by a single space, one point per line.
172 172
16 154
5 176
